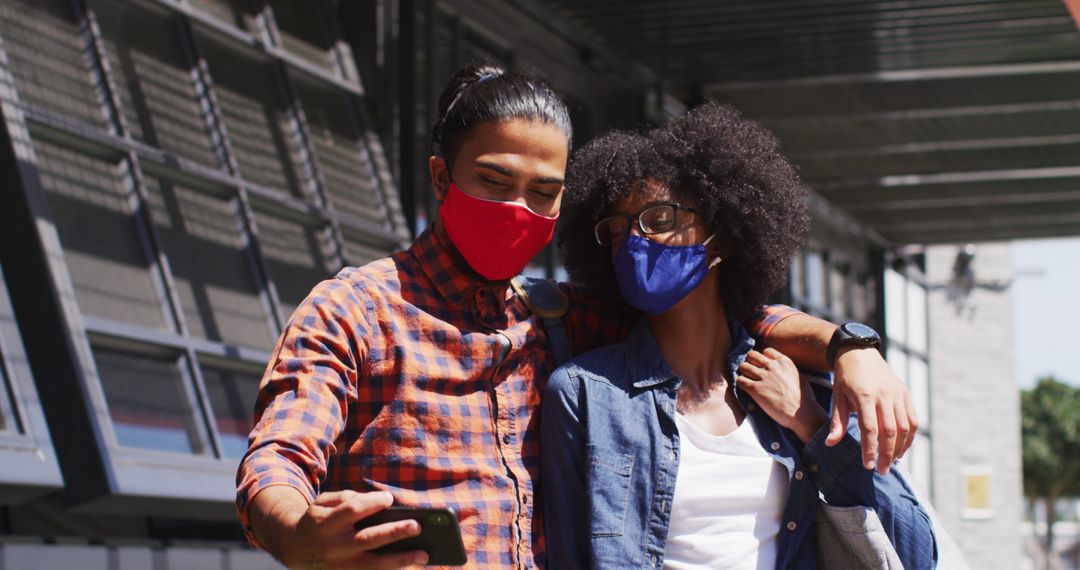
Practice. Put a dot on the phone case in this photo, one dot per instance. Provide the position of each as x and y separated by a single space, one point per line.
439 535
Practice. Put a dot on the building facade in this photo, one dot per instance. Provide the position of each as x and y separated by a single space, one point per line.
177 174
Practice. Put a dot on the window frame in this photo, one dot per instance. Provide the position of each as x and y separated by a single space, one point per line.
102 474
29 465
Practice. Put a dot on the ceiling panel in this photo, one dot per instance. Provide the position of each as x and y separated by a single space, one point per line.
928 121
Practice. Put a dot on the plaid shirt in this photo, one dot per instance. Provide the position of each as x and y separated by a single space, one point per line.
414 376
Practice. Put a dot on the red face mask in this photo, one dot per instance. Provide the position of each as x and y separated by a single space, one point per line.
496 238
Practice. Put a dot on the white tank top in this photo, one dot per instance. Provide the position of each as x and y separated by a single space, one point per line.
729 497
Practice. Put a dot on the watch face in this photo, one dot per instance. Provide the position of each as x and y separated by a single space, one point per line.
859 330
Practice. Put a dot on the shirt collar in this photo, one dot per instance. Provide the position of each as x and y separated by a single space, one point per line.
646 363
440 261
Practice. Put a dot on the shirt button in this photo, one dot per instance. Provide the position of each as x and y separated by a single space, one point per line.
814 468
774 446
798 475
506 439
751 407
791 525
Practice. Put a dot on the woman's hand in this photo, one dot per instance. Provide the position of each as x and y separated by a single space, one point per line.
773 381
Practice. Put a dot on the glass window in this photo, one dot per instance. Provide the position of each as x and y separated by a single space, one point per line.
796 278
303 31
8 419
48 59
839 293
358 253
147 401
815 279
859 304
102 245
297 256
898 361
342 156
916 317
155 84
919 462
895 300
260 132
203 239
918 379
232 397
234 12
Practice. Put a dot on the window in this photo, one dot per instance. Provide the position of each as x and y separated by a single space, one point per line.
234 12
815 280
260 127
204 242
895 312
147 401
342 156
231 391
157 94
49 61
796 280
28 464
303 30
297 257
905 336
185 195
94 216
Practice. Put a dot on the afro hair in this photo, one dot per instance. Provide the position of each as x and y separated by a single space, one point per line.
728 167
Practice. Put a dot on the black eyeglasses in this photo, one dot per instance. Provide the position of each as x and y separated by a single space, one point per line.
655 219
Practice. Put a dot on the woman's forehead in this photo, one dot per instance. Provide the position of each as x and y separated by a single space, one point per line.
643 193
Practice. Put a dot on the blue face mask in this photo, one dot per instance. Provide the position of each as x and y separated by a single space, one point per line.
653 276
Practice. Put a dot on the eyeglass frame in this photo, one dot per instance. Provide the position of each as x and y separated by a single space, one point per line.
637 217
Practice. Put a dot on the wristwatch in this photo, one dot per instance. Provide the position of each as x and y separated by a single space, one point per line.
851 333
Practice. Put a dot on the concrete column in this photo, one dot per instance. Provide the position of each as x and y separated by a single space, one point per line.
975 404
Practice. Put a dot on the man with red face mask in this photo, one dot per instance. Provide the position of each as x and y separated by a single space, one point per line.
417 379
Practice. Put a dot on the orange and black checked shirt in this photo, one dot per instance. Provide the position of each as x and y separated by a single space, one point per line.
414 376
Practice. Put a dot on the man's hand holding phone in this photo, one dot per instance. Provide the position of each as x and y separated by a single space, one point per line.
326 537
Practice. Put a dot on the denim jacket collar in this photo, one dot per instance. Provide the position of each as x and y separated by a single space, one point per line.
647 366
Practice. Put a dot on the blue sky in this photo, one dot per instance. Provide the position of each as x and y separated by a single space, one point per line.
1047 310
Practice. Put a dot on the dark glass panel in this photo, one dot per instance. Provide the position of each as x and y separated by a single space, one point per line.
297 255
49 59
342 155
147 402
259 128
205 246
104 253
232 397
156 86
302 32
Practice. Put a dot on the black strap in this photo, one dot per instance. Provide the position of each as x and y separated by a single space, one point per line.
547 301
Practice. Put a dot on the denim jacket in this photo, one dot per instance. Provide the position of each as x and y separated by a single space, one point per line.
610 455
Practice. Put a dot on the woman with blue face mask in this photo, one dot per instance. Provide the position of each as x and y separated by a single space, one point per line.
687 445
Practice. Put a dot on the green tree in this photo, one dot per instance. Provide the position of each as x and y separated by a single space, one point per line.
1050 420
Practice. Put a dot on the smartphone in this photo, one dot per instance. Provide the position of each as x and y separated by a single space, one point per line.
439 535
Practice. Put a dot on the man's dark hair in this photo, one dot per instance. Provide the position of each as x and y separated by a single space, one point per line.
483 92
725 166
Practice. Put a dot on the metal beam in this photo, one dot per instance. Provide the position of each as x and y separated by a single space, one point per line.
905 76
951 112
915 180
932 147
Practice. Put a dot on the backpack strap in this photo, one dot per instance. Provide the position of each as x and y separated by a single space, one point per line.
547 301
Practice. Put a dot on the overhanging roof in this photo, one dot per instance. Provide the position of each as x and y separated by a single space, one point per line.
928 121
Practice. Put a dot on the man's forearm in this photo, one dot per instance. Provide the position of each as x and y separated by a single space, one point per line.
804 339
274 514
